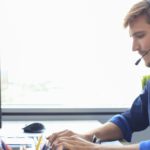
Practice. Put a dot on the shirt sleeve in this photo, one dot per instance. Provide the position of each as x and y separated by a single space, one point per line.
122 123
145 145
136 118
137 115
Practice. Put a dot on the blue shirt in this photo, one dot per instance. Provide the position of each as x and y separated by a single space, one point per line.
137 118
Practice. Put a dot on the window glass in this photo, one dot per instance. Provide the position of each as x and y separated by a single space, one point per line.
67 53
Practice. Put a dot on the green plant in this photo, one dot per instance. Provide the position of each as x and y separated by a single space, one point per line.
145 79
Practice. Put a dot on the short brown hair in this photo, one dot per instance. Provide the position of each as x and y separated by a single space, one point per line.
138 9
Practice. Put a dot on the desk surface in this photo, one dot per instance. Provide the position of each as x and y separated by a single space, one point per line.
14 128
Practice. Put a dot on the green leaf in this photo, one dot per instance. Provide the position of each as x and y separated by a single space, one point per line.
145 79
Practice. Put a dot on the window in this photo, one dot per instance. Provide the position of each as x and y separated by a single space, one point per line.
67 53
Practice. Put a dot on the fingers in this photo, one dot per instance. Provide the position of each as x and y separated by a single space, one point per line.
59 147
63 143
71 143
67 140
63 146
54 136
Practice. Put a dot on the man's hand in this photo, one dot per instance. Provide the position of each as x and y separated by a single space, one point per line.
71 142
65 133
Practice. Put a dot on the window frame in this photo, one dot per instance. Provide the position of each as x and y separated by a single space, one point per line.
19 114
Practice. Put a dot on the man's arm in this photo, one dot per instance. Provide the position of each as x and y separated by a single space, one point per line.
78 143
106 132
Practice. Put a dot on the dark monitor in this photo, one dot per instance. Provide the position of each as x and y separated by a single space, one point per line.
0 102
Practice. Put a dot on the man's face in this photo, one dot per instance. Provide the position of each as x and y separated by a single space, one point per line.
140 32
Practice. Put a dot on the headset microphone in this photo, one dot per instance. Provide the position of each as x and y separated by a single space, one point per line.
138 61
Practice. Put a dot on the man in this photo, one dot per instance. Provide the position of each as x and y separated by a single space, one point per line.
137 117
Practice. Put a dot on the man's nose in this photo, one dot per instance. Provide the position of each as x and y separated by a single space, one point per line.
135 46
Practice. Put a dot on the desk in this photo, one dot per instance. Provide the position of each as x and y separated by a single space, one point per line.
14 128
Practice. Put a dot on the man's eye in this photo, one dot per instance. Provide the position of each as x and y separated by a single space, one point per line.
140 36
